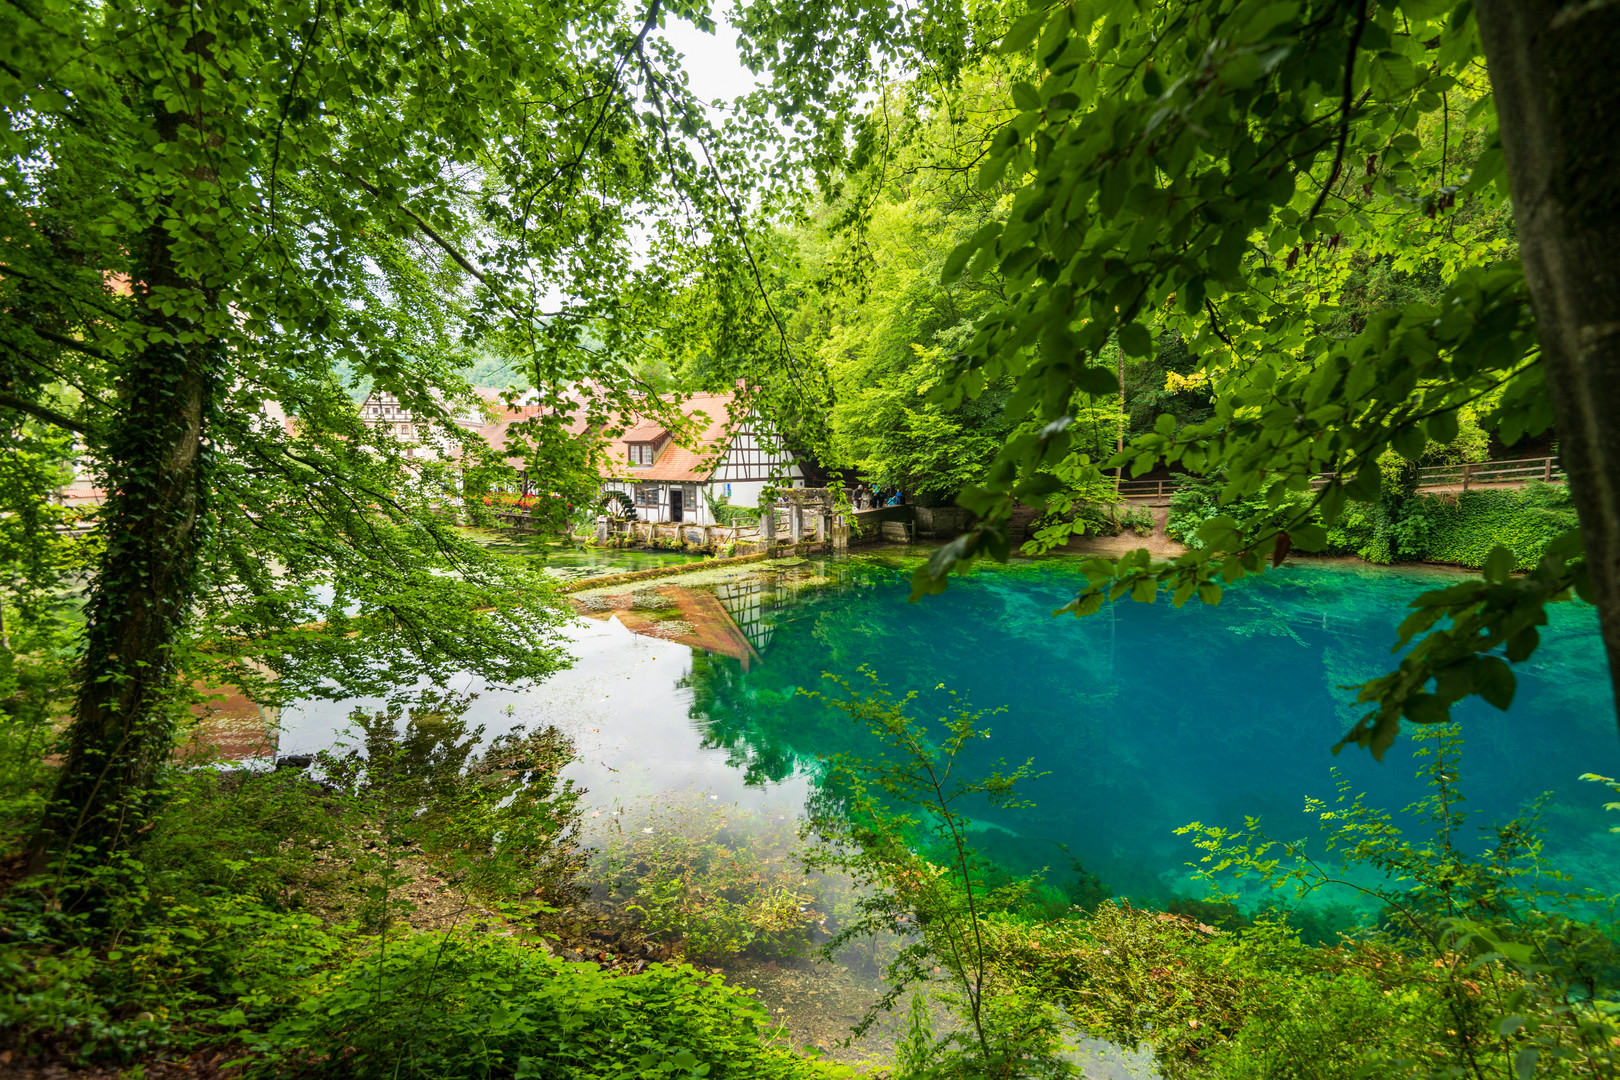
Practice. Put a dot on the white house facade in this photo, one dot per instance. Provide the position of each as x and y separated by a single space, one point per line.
733 461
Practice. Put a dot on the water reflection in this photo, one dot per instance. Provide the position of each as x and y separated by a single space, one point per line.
1147 717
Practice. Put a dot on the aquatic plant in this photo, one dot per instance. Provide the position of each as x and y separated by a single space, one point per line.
714 881
883 809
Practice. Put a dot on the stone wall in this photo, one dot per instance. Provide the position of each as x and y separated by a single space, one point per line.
941 522
866 525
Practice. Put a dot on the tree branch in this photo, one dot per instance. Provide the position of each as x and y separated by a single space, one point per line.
68 343
1346 107
1214 324
41 412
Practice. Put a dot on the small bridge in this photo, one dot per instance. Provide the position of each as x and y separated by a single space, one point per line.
1496 474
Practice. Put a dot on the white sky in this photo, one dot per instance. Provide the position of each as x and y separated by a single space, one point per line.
712 68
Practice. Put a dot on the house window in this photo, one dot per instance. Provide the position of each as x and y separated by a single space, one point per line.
641 453
646 494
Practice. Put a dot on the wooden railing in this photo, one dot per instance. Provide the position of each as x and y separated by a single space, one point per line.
1515 471
1544 469
1147 489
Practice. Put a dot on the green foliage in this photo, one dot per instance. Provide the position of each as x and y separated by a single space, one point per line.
1485 964
1089 517
1306 198
261 918
1467 526
250 885
434 1006
498 820
212 228
1160 383
724 513
893 813
1403 525
200 971
1470 958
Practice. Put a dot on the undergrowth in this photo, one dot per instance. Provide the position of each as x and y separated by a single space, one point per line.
266 914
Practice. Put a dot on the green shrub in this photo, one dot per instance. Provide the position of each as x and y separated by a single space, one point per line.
438 1006
1404 525
1090 518
249 886
1465 527
1457 959
1137 518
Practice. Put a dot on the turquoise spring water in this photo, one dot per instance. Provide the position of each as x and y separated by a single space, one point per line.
1148 717
1145 717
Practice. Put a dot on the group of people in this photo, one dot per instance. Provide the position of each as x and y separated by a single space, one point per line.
865 498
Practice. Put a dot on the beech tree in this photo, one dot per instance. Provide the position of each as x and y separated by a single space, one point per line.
210 214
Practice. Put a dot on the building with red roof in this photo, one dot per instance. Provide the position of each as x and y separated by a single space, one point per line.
673 476
727 458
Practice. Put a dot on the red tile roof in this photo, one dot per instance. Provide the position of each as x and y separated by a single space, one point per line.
678 463
693 463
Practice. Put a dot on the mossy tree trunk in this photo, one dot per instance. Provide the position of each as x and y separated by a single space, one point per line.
1558 103
155 462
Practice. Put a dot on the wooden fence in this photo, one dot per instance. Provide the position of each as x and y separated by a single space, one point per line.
1517 471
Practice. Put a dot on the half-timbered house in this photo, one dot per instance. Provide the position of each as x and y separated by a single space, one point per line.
730 459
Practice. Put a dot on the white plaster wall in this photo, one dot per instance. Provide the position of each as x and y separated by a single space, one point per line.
747 492
743 492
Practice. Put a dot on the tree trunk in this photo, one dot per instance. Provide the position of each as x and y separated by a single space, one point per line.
1558 106
1124 422
157 482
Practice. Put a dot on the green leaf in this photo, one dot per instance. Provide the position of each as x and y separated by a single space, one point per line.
1025 97
1242 70
1023 32
958 258
1523 644
1098 381
1192 296
1442 427
1426 709
1367 482
1494 681
1309 537
1135 341
1221 533
1410 443
1499 565
993 169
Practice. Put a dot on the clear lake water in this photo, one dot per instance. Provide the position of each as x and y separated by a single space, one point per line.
1144 717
